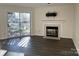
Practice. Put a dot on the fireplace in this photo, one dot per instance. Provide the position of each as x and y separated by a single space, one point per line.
52 32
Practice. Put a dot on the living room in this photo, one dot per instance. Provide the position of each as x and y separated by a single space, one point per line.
64 17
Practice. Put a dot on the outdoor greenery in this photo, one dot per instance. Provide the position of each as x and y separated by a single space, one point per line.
18 24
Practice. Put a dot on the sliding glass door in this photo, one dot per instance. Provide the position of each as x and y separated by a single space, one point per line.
18 24
24 24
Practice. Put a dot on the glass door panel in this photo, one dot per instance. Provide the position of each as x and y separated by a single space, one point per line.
25 24
13 24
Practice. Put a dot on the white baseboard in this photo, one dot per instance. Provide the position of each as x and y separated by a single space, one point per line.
76 45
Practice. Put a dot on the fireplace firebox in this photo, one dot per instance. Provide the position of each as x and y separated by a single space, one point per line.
52 31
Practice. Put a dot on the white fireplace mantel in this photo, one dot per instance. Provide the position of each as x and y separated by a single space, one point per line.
53 25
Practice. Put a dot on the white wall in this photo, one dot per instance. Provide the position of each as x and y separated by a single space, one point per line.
65 13
3 18
76 28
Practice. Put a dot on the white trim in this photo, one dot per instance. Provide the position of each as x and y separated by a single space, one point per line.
76 45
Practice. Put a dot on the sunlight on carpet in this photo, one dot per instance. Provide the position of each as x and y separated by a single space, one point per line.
15 54
2 52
